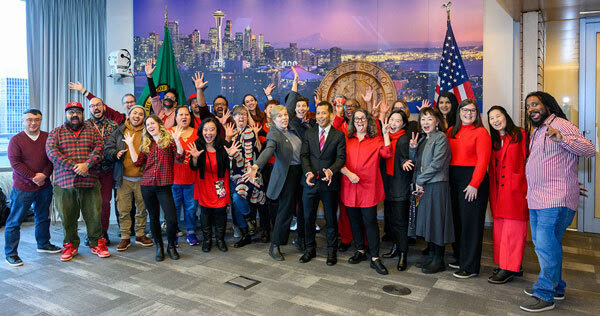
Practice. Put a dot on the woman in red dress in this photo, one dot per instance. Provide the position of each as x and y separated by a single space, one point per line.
508 191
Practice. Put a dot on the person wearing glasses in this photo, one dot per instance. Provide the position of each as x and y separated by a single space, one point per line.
165 110
471 148
362 185
128 101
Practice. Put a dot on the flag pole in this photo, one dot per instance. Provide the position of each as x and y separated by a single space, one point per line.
447 6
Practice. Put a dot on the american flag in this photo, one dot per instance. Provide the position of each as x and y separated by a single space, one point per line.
453 74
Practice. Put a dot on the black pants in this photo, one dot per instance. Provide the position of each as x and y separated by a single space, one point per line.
300 230
364 217
287 205
311 200
216 217
267 211
156 197
469 218
396 214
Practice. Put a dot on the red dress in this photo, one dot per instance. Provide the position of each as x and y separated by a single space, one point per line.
362 158
205 191
182 173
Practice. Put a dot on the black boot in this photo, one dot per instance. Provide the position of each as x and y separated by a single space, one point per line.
206 231
275 253
251 221
245 240
402 261
427 258
172 251
264 236
221 238
300 244
160 250
437 264
393 252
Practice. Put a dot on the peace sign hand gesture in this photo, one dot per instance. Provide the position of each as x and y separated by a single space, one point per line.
554 134
414 140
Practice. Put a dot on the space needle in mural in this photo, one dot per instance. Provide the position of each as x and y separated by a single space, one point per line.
219 62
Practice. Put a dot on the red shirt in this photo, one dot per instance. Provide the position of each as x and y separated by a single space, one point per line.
362 158
158 164
205 191
471 147
263 142
182 172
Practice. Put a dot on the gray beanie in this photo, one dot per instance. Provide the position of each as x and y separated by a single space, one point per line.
137 107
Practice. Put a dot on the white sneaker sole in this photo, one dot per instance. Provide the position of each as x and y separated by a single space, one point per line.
14 264
547 308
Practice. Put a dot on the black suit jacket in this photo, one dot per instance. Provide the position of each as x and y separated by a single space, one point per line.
332 157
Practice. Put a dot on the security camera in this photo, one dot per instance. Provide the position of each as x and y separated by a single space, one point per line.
120 62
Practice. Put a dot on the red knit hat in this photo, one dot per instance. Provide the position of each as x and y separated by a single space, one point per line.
73 105
190 98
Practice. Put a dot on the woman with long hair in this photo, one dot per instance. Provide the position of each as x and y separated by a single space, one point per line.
508 193
471 149
211 159
183 181
448 105
158 154
362 186
396 173
246 194
431 157
250 102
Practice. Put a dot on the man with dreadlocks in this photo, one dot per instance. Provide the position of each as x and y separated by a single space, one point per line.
552 191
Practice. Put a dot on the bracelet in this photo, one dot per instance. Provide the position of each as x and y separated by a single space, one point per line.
84 91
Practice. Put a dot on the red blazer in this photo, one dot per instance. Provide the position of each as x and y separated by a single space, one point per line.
508 185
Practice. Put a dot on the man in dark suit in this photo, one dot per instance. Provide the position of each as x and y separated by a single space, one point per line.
323 155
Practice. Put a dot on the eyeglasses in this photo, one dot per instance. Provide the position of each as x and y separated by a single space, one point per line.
465 110
31 120
360 119
95 105
72 112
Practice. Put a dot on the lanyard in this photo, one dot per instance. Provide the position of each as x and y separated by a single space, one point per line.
101 132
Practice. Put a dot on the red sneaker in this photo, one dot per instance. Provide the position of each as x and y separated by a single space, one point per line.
101 249
68 252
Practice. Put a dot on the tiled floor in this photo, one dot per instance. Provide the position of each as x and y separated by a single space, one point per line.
131 283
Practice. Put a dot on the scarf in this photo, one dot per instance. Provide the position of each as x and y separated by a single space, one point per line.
389 163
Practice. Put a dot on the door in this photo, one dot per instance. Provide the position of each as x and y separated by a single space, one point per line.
588 219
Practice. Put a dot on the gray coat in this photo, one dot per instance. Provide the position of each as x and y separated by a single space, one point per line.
279 145
435 161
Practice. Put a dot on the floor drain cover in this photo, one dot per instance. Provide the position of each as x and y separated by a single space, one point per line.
396 290
243 282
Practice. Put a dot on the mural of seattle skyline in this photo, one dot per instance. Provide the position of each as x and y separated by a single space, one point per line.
259 41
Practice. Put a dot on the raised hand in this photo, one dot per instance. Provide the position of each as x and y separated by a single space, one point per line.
148 68
269 89
414 140
408 165
554 134
385 126
121 153
256 127
194 152
317 96
76 86
424 104
368 95
198 79
177 132
128 139
223 119
234 148
383 109
296 76
338 105
229 130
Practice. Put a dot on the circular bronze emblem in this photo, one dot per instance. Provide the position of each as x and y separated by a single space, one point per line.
351 79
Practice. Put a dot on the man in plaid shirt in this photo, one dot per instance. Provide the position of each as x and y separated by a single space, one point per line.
74 148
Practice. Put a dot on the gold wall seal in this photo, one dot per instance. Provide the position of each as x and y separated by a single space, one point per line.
351 80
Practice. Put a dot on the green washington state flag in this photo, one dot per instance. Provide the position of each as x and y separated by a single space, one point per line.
165 75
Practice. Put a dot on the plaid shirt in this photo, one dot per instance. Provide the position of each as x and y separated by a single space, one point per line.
65 149
159 164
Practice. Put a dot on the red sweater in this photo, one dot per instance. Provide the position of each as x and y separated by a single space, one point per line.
181 170
28 157
471 147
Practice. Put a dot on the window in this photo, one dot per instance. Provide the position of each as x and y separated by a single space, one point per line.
14 93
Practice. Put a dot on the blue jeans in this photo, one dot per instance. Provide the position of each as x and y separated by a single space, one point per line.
183 195
241 207
547 229
21 201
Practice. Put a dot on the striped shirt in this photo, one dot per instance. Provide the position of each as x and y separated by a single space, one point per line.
551 168
66 148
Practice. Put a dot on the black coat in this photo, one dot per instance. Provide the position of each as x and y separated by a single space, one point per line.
314 160
397 187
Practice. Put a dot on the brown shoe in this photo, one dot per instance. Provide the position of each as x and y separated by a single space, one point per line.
144 241
123 245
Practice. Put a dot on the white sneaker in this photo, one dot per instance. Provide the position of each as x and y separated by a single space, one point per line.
236 232
317 228
294 224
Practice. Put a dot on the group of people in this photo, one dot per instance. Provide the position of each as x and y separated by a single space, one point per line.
434 176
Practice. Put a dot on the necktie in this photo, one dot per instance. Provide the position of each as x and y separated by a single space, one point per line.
322 139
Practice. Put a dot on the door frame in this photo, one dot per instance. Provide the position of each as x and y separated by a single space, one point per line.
587 94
